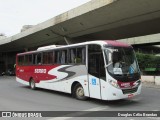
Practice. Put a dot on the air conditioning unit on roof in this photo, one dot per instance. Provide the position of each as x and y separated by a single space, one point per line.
47 47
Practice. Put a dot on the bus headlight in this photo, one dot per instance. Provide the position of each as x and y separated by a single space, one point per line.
114 83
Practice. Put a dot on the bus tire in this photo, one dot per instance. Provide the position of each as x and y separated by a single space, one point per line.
78 92
32 84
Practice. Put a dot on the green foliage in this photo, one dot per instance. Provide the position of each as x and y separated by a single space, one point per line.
147 61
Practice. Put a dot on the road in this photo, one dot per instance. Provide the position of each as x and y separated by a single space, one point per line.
17 97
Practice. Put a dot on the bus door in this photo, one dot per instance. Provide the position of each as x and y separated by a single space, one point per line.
95 70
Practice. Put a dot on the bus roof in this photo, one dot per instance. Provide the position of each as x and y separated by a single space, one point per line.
117 44
98 42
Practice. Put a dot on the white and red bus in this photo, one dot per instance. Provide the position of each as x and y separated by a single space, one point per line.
106 70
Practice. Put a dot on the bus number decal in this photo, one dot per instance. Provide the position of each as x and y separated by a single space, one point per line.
40 71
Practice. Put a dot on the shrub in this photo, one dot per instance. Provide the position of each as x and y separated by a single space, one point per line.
147 61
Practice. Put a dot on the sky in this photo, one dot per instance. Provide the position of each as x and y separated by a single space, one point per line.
16 13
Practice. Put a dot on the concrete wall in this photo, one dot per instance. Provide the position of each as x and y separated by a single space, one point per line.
157 80
154 38
151 79
26 27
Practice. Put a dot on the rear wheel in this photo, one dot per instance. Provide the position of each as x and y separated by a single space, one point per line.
78 92
32 84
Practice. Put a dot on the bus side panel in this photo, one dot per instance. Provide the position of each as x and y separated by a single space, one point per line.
66 75
104 90
37 73
21 73
78 73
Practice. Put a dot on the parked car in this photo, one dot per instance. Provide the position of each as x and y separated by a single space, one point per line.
2 73
10 72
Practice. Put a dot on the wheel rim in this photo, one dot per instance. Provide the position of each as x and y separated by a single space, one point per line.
80 92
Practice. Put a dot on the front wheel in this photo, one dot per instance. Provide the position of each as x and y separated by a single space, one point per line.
79 92
32 84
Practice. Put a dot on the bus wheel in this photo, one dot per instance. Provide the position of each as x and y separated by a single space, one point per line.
79 92
32 84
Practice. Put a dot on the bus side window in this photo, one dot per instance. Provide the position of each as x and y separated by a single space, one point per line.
51 57
63 56
48 58
20 60
77 55
39 59
80 58
96 62
84 55
72 55
34 59
57 56
28 59
45 58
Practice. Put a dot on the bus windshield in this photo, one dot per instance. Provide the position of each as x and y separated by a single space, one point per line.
121 61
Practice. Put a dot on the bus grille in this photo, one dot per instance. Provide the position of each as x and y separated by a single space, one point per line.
126 91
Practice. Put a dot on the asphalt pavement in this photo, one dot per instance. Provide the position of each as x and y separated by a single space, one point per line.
17 97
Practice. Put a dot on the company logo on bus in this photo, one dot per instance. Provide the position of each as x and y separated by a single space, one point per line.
40 71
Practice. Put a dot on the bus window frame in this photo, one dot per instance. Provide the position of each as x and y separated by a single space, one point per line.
35 54
76 47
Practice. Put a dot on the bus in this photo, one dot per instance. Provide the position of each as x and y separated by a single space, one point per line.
106 70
